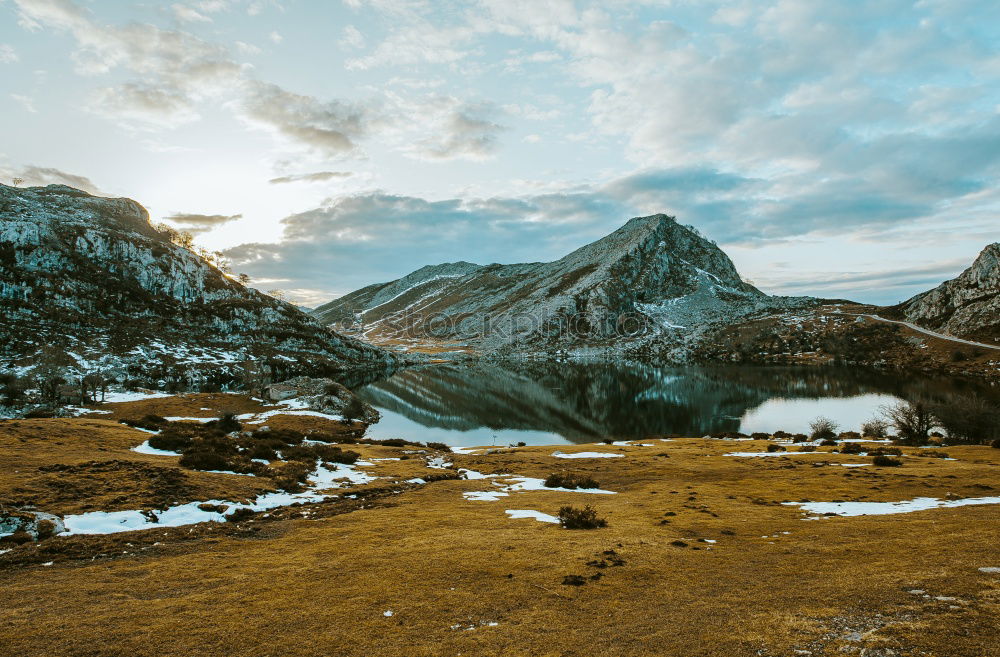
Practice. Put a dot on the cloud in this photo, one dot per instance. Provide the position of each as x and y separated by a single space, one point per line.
328 127
26 102
186 14
319 176
35 176
456 130
201 223
144 104
7 54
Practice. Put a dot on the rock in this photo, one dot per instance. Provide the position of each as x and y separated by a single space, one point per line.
650 276
31 525
324 396
280 392
966 306
76 271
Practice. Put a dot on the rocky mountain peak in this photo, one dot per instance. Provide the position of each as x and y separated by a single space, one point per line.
967 306
88 284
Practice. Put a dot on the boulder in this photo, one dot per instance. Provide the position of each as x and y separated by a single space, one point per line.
324 396
33 525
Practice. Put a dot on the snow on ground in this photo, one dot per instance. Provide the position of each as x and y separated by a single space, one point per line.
888 508
145 448
512 484
750 454
125 396
103 522
527 513
585 455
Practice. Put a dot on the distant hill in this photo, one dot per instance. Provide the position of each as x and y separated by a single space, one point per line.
87 283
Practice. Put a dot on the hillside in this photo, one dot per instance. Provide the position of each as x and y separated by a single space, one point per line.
967 306
87 284
649 279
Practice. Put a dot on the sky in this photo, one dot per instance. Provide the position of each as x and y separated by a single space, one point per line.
846 149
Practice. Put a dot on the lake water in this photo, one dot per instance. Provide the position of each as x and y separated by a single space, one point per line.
543 403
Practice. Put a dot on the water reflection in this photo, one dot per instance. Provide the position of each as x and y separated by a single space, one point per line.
544 403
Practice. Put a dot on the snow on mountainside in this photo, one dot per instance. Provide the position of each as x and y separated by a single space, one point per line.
87 283
651 277
967 306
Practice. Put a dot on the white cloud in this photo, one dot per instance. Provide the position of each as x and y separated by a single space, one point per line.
7 54
186 14
26 102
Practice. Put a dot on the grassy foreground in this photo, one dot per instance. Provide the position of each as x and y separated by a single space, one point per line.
460 576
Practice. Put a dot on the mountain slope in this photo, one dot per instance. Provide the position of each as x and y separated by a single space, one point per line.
649 277
87 283
967 306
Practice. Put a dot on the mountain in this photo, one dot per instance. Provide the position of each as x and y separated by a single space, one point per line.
967 306
87 283
651 277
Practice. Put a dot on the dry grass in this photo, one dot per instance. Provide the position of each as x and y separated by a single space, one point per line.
319 584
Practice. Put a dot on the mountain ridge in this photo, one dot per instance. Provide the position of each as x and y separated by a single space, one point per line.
650 274
967 306
88 283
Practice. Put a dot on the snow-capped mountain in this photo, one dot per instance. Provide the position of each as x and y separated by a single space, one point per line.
87 283
649 278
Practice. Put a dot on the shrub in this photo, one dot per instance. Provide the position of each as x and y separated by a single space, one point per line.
874 428
775 448
585 518
572 481
851 448
239 514
261 451
995 444
849 435
807 448
445 448
148 422
201 459
829 442
823 428
958 356
170 441
884 461
353 410
759 435
782 435
574 580
885 451
799 438
38 413
913 421
933 454
227 423
968 419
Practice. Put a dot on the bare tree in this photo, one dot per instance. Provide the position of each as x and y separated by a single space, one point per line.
244 279
912 420
17 181
277 294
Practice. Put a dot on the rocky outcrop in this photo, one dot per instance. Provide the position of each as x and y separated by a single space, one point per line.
967 306
324 396
86 283
21 526
650 277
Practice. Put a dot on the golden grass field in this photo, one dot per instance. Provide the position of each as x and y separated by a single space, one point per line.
462 578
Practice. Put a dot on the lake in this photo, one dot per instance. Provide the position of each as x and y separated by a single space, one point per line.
542 403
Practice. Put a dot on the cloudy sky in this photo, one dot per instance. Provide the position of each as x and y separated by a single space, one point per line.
847 148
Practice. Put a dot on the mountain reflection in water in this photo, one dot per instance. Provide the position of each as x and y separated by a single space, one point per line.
547 403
